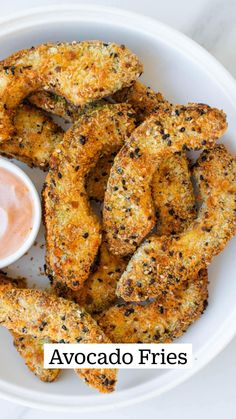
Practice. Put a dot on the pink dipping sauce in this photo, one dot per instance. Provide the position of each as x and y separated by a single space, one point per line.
16 213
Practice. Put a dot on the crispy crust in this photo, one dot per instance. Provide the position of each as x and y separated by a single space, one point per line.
58 105
128 208
55 104
99 291
163 263
145 102
31 350
42 315
29 347
80 71
73 231
173 195
175 201
98 177
36 137
142 99
169 316
160 321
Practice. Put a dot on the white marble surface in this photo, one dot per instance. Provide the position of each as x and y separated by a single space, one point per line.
211 393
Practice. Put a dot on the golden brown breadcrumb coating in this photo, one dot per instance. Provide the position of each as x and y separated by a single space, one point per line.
55 104
173 195
145 102
31 350
73 231
98 177
99 291
29 347
128 207
36 136
163 263
142 99
82 72
40 314
160 321
58 105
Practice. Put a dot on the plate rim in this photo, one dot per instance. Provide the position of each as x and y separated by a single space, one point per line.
15 21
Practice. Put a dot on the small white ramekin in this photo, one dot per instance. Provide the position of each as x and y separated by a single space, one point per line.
37 213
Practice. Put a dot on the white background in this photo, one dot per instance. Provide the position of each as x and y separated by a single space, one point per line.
212 392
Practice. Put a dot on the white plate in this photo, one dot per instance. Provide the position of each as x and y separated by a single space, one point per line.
184 72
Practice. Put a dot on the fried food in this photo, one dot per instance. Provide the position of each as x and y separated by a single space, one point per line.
55 104
160 321
169 316
175 202
163 263
58 105
129 213
173 195
82 72
73 231
42 315
31 350
29 347
97 179
145 102
35 139
99 291
142 99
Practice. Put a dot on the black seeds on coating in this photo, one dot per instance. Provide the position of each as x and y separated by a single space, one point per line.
42 325
85 330
157 336
85 235
128 312
64 327
82 139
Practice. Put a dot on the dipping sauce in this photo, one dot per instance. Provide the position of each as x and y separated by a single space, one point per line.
16 213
